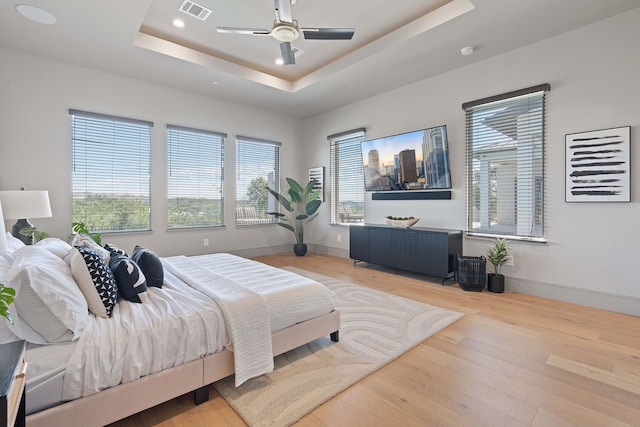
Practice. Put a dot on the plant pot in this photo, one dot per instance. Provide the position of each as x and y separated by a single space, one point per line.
300 249
495 282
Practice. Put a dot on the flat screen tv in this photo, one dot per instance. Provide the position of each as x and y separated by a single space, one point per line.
417 160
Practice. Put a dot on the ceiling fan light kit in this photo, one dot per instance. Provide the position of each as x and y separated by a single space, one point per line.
286 30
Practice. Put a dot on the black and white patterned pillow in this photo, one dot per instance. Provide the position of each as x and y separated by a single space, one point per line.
150 265
95 280
132 284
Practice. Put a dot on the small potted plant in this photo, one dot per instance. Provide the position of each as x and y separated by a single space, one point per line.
497 255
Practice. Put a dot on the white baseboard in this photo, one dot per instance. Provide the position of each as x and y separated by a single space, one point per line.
267 250
604 300
326 250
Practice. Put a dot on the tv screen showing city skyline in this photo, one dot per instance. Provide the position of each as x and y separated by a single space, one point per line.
415 160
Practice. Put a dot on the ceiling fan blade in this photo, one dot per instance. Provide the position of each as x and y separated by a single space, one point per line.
250 31
287 53
284 10
328 33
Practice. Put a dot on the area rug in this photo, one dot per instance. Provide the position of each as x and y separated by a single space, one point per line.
376 328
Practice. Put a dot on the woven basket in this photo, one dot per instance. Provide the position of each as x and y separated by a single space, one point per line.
471 273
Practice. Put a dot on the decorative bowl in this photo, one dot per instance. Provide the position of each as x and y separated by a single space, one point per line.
402 223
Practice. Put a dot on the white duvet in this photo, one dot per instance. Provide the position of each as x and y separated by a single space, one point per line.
178 323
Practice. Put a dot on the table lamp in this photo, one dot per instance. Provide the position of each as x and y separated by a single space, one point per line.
23 204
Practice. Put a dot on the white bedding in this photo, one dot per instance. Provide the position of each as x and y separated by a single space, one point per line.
178 323
175 325
291 298
252 295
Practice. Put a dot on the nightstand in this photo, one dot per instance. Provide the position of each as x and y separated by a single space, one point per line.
12 384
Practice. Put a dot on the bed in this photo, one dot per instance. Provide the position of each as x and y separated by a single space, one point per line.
183 336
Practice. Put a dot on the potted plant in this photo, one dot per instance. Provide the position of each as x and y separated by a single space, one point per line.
300 206
7 296
498 255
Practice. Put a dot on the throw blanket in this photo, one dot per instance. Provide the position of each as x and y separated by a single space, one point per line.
245 312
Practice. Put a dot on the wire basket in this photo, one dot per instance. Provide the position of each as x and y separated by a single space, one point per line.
471 273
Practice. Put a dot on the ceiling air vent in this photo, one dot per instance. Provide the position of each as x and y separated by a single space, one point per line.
195 10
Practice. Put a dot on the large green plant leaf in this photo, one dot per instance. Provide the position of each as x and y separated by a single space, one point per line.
287 226
296 197
310 186
293 185
313 206
7 296
313 196
281 199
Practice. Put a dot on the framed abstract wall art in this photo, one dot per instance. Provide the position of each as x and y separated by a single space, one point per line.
318 175
597 166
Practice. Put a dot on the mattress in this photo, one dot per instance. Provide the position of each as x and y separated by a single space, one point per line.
45 374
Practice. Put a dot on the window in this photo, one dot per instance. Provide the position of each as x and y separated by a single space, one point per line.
347 177
111 172
195 177
505 164
257 166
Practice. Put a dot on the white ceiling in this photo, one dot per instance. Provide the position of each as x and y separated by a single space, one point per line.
395 43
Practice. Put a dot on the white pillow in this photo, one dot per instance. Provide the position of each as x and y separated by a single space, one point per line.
56 246
49 306
13 244
85 241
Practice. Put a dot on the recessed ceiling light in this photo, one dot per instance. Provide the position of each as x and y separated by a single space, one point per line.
467 50
36 14
215 82
178 23
280 61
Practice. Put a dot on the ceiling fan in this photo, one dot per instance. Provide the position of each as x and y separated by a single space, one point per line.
286 30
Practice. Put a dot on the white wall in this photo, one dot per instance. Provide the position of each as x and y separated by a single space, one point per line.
594 74
35 97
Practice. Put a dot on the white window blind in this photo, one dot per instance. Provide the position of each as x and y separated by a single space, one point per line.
257 166
195 177
347 177
111 172
505 164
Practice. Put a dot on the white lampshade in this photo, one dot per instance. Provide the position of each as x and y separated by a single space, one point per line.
20 204
3 233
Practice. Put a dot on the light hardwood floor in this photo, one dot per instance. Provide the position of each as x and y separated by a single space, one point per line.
512 360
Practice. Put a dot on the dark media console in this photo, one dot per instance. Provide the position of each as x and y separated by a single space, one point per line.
430 251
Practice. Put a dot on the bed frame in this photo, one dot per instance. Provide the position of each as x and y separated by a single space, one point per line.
121 401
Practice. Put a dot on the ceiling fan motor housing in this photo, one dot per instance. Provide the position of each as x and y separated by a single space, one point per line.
285 32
